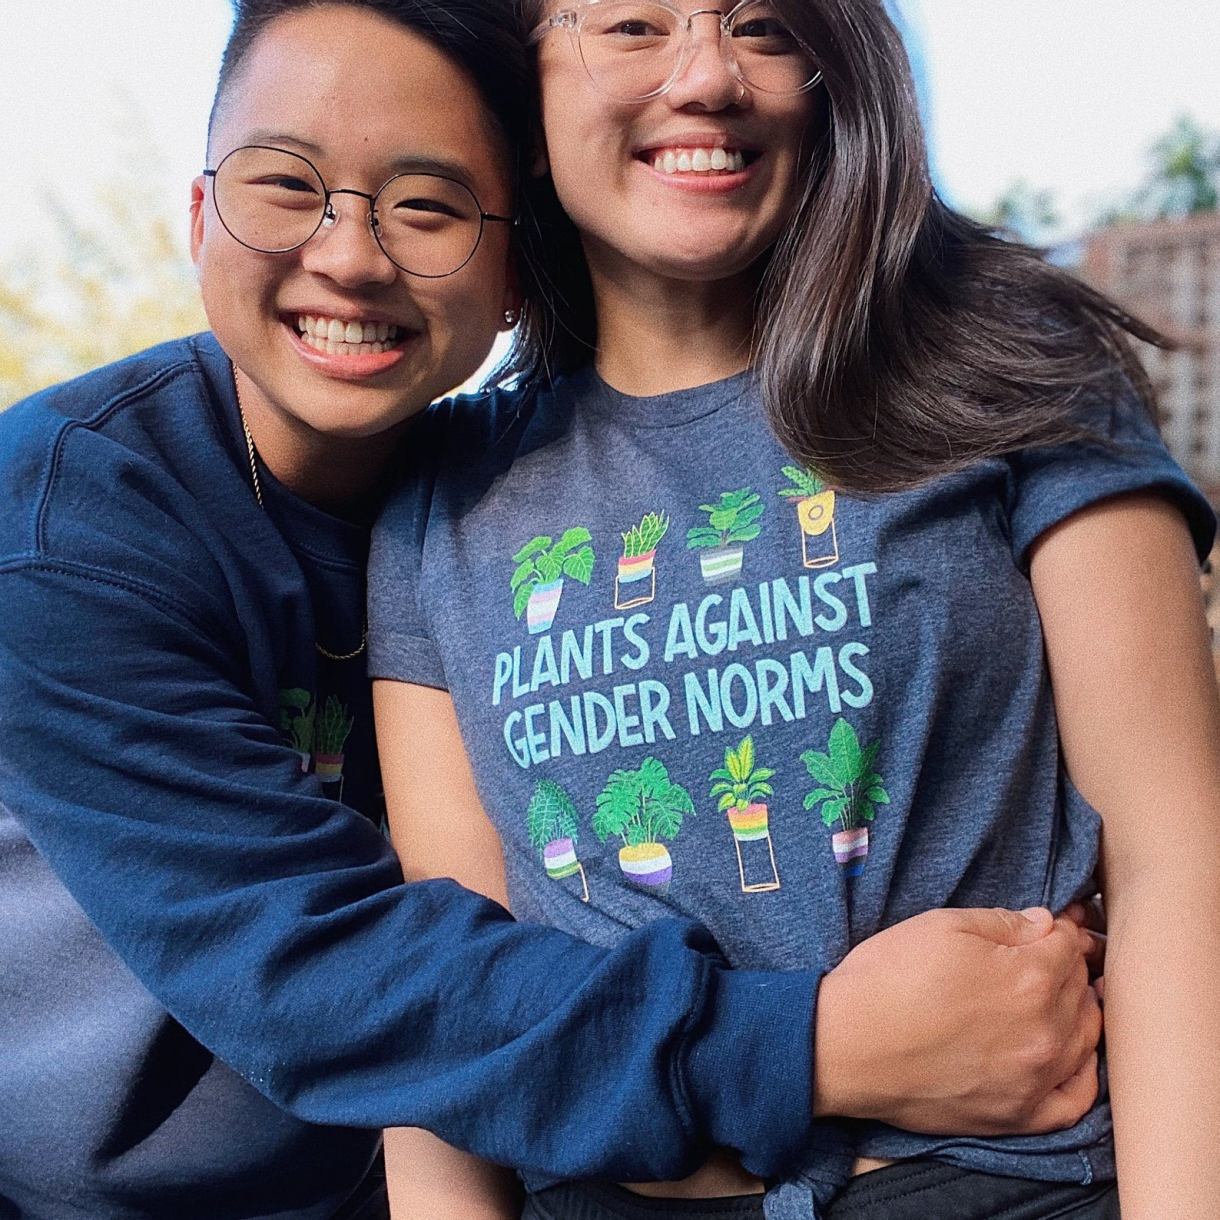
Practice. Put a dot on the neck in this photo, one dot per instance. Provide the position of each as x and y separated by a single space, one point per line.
331 472
656 335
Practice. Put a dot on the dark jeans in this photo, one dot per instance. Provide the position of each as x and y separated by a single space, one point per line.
912 1190
368 1201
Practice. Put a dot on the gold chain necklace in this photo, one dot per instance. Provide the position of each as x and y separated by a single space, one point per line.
258 495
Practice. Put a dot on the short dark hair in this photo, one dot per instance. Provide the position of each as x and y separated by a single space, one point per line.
895 339
478 35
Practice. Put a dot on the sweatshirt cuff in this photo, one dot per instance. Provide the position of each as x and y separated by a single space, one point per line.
749 1069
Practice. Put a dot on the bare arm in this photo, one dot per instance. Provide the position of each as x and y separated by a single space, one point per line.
439 829
1139 719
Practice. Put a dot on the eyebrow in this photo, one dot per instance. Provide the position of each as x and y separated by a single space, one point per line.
406 163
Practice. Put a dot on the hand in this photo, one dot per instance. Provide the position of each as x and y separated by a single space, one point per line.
961 1022
1090 914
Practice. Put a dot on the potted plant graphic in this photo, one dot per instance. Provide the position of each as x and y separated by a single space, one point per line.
742 788
542 563
332 730
815 514
553 829
297 715
732 521
636 582
849 792
642 807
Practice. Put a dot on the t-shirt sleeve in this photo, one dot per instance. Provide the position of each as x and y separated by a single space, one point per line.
401 647
1048 485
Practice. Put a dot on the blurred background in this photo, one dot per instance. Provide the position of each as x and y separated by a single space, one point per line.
1087 127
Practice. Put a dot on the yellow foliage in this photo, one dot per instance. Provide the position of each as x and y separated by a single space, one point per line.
107 284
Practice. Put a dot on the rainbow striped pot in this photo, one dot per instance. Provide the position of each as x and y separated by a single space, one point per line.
851 849
748 824
559 856
720 564
328 767
542 606
647 865
635 567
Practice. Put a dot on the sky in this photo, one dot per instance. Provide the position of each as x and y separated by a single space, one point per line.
1066 94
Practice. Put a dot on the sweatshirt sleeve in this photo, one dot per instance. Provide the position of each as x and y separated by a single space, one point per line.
273 924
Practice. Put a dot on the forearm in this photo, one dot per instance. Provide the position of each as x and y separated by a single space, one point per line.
427 1177
1163 1040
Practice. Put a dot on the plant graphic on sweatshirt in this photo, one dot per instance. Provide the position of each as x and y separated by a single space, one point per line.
642 807
297 721
635 583
554 828
742 788
849 792
815 514
542 564
731 522
331 731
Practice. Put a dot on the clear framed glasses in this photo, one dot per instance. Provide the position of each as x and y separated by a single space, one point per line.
634 50
274 201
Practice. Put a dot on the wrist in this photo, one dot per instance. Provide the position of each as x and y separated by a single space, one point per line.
844 1079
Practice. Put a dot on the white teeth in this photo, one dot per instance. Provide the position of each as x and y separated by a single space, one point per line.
338 338
698 161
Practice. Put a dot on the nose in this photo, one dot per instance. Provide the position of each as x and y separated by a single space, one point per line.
345 250
705 81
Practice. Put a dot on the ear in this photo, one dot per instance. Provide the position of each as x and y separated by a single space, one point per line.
198 197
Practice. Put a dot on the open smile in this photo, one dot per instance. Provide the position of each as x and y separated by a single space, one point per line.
337 337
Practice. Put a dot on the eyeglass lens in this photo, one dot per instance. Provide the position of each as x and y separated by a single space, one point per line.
634 50
274 201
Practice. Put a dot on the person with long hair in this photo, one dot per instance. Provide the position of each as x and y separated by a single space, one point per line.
822 566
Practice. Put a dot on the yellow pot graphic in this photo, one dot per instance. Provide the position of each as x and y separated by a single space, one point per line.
819 538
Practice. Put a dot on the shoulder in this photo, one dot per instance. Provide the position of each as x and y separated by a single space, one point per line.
110 466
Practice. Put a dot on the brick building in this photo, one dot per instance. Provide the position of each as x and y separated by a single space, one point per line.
1168 273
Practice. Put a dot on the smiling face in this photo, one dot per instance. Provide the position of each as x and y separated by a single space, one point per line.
333 338
696 184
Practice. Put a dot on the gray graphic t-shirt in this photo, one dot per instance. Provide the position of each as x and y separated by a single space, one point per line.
692 678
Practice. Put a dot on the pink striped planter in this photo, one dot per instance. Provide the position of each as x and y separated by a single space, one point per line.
851 849
542 606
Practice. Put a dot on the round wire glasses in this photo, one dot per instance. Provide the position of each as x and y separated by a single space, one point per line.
634 51
274 201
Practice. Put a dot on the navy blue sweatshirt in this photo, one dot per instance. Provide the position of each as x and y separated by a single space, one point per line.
214 986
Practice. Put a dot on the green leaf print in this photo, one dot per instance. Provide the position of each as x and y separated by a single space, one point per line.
542 561
850 791
522 599
641 806
580 565
804 483
551 815
731 519
533 547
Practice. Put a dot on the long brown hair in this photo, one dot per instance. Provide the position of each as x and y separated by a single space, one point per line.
895 339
